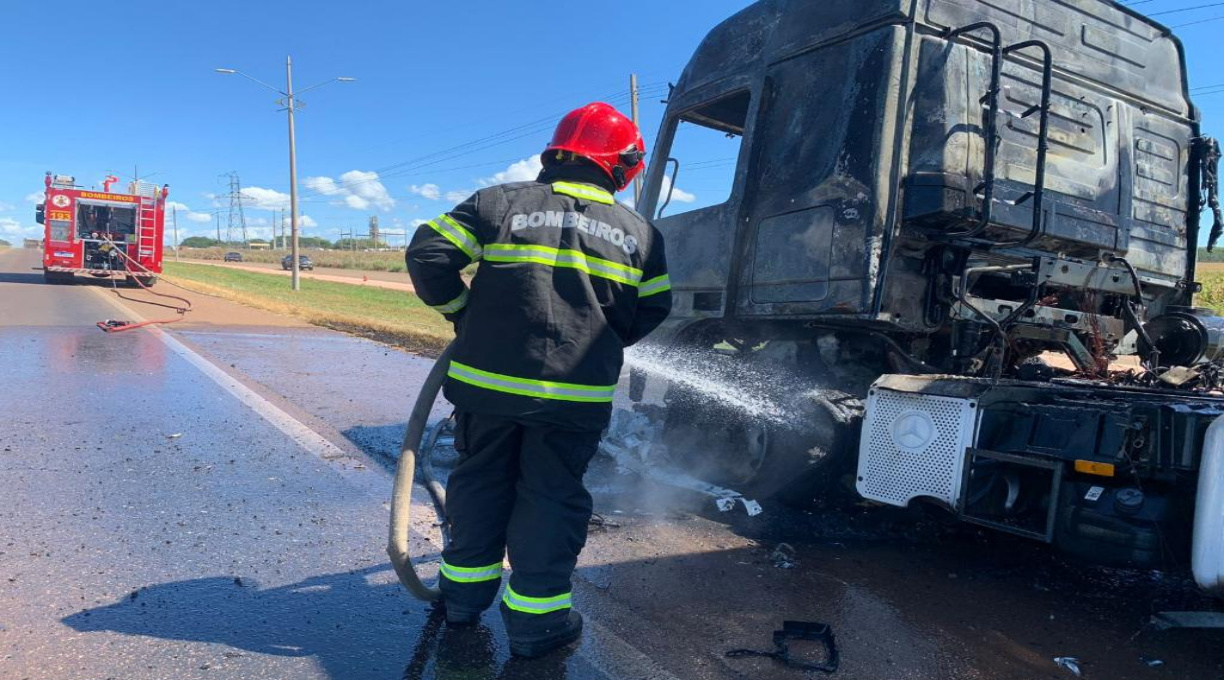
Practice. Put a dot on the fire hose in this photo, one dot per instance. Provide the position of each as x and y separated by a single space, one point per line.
419 441
113 326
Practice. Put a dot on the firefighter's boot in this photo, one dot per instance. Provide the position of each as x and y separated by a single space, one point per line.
535 636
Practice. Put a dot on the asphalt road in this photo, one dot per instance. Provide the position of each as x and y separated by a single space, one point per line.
210 502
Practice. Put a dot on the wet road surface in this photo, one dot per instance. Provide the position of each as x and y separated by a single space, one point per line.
230 551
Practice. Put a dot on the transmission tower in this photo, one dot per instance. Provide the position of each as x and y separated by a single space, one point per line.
237 218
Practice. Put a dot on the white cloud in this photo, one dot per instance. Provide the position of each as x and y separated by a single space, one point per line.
418 222
5 207
322 185
427 191
522 171
265 199
357 189
11 229
677 194
306 222
458 196
35 198
188 213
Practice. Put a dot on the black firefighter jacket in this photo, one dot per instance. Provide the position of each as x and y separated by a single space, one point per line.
567 279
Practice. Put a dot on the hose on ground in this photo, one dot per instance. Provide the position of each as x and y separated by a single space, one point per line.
111 326
401 495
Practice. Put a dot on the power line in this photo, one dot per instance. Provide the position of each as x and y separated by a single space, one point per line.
472 147
1200 21
1185 9
468 148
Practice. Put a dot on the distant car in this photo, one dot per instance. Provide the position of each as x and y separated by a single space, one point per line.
233 257
304 263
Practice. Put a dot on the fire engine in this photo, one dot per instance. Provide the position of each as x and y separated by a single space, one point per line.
102 234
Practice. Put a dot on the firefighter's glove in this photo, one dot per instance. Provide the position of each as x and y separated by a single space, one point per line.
456 320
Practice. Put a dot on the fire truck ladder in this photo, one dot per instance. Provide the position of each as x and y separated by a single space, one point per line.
146 218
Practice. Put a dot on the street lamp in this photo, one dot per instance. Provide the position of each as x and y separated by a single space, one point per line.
290 102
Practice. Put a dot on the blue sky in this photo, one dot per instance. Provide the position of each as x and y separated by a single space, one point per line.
96 88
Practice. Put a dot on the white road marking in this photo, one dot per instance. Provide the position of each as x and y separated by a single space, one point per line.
290 426
603 649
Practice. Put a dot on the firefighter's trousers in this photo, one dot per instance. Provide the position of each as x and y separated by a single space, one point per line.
516 489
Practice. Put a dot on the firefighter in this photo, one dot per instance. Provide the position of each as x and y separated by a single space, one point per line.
567 279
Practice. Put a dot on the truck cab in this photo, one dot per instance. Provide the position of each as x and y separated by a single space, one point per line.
979 219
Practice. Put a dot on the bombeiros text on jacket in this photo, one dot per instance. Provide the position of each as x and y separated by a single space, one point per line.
555 219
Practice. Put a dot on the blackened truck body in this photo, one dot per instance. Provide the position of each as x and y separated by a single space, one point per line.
977 221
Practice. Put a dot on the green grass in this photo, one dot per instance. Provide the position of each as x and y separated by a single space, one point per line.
392 316
389 261
1213 289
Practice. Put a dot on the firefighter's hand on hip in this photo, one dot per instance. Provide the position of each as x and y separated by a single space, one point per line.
456 320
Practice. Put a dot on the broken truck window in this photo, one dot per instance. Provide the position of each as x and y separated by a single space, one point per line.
705 144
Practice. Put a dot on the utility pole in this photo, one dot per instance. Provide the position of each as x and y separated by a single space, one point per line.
637 181
290 103
217 221
174 217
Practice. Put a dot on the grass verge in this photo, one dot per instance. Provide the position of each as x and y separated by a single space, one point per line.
381 261
1212 294
390 316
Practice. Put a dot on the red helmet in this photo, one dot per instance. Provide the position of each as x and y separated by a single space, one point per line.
604 136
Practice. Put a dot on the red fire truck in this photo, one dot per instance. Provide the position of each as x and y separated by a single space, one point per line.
102 234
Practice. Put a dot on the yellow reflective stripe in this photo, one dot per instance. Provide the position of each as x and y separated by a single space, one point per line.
584 191
457 234
536 605
655 286
454 305
526 387
471 574
571 259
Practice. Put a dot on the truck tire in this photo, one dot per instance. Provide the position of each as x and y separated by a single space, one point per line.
798 462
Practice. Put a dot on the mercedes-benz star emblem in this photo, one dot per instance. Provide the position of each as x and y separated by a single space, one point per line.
913 431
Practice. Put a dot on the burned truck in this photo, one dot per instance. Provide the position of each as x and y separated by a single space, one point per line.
973 225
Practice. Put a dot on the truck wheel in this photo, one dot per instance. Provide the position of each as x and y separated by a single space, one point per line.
798 462
149 281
